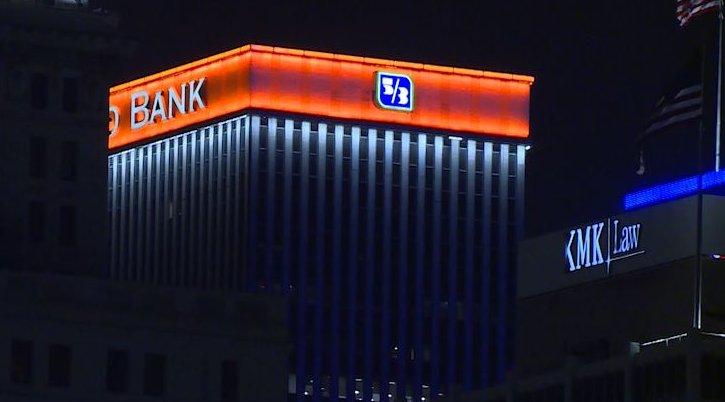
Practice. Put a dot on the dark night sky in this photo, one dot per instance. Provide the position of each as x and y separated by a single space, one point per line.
599 67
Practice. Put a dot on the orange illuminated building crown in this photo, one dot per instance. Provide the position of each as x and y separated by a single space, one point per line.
318 84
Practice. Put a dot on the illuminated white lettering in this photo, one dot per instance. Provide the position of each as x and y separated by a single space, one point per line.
583 255
177 101
402 96
588 247
159 109
596 245
628 240
194 96
137 108
567 252
166 104
615 235
634 235
622 242
388 88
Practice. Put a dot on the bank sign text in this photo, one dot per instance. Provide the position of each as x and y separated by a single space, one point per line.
148 109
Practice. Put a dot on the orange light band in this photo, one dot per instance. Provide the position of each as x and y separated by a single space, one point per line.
316 83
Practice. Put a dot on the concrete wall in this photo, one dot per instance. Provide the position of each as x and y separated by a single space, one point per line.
195 331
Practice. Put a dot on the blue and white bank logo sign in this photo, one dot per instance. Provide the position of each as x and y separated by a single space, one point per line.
394 91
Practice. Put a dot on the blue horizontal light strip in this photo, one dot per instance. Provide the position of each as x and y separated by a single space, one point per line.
672 190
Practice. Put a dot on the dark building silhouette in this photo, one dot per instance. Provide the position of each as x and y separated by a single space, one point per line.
65 333
77 338
54 64
609 310
383 199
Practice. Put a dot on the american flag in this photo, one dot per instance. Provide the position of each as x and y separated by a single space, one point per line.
678 107
668 134
681 102
687 9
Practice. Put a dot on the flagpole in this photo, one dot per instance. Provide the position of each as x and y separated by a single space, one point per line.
697 306
718 112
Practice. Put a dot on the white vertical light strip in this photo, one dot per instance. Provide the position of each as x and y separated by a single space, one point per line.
287 207
320 255
252 222
122 223
209 250
204 208
174 172
303 259
503 261
453 265
158 219
417 240
218 243
192 241
486 285
163 212
386 265
407 242
201 218
436 362
337 266
149 268
519 196
243 267
180 272
131 234
269 264
115 194
110 214
370 254
228 216
238 239
519 210
468 347
140 212
352 325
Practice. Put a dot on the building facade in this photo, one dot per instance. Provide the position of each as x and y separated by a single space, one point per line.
54 65
72 338
626 308
66 334
390 232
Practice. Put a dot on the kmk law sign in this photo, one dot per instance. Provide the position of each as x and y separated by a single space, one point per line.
586 246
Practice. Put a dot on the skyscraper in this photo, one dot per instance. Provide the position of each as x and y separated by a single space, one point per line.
384 199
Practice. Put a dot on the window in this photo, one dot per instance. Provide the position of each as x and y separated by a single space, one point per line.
67 225
70 94
68 161
21 362
38 160
59 365
39 91
117 371
154 374
36 222
229 385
